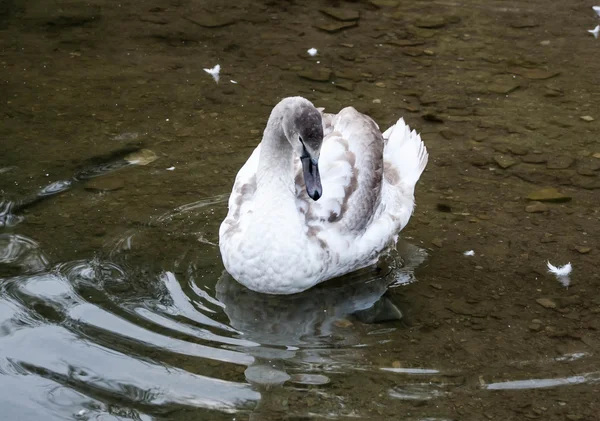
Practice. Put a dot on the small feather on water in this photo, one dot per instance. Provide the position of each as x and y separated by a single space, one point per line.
596 9
469 253
214 72
595 32
560 270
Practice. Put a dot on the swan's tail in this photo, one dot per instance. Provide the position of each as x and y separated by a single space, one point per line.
405 153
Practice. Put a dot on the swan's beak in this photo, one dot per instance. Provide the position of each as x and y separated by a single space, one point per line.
312 179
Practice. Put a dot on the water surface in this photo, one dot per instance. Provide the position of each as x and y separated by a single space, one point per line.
118 152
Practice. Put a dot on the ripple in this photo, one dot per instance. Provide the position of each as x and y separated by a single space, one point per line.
36 398
593 377
91 315
7 217
85 364
193 331
21 252
55 188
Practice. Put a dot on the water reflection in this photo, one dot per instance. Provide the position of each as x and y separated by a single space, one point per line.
307 318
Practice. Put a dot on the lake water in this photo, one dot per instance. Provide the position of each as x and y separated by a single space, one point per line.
118 152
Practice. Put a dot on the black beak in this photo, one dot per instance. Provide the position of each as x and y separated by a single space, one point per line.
312 179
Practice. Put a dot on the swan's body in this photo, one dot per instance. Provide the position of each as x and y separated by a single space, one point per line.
276 239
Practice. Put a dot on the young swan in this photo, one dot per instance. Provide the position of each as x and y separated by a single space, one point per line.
306 208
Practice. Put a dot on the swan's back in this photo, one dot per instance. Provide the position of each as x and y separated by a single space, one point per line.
368 183
351 174
364 174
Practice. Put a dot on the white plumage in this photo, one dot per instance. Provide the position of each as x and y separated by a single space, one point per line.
278 240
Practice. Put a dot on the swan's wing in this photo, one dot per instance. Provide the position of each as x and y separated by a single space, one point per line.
351 167
243 190
327 121
405 158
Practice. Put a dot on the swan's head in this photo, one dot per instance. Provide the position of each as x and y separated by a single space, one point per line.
303 127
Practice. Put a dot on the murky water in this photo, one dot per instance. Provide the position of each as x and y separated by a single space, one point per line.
118 152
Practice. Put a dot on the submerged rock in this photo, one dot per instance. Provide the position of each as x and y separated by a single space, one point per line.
504 86
340 14
586 182
535 158
583 249
518 150
346 86
560 162
546 302
431 22
322 75
384 3
141 157
210 21
536 207
535 74
548 194
437 242
336 26
504 161
104 184
588 167
405 42
523 23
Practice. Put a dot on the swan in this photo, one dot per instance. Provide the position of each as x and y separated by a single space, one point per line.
322 195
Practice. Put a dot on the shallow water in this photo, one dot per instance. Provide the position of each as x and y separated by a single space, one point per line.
118 152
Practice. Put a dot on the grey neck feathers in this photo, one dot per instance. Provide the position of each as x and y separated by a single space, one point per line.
276 161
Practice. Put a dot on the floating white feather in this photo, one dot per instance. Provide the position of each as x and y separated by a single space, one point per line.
312 52
560 270
214 72
595 32
596 9
469 253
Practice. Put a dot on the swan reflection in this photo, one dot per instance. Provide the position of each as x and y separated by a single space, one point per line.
318 327
313 316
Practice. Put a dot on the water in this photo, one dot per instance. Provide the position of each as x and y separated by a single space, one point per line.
118 153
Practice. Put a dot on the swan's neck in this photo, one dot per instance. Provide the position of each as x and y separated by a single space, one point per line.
275 175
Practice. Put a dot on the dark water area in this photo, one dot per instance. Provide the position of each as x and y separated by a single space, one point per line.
118 153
